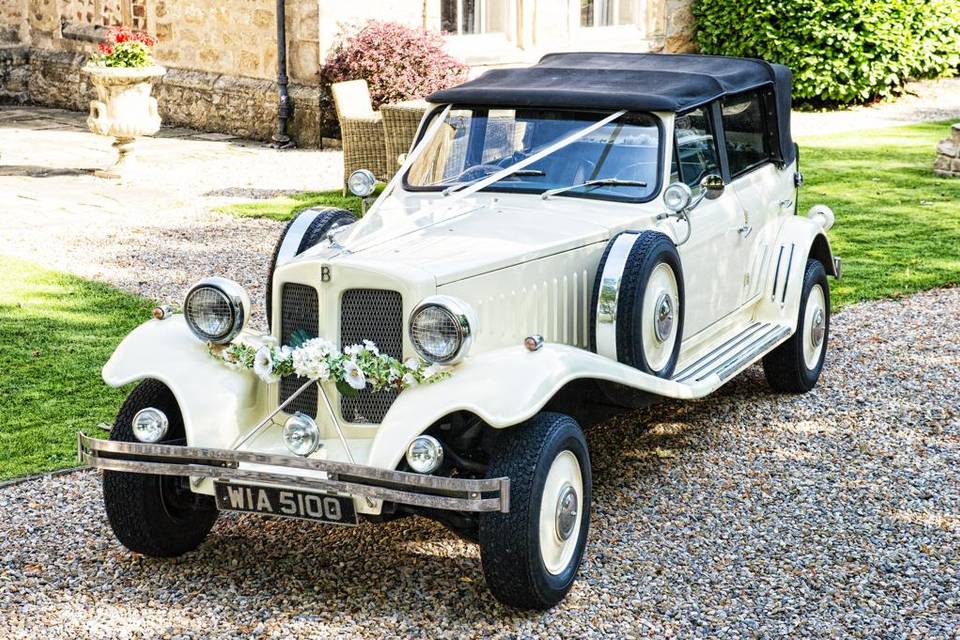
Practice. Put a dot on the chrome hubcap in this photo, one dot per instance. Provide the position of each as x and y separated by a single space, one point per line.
566 512
664 321
817 329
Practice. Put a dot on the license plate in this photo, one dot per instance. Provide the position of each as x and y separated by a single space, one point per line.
288 503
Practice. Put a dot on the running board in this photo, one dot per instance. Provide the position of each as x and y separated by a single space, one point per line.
735 354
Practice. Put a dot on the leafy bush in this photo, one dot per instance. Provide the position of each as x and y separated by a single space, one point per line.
840 51
398 62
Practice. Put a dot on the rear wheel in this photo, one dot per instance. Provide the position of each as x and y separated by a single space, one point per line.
150 514
532 554
795 366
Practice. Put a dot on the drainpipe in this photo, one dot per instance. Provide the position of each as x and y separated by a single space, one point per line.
284 108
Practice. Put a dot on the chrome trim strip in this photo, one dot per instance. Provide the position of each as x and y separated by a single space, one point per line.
749 356
294 235
712 356
837 268
786 277
776 275
607 298
224 464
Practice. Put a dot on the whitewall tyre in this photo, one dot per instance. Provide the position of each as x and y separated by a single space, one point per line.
532 554
795 366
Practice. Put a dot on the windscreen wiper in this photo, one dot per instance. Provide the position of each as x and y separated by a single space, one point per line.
593 184
518 173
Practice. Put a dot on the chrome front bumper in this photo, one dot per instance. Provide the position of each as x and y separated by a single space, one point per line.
355 480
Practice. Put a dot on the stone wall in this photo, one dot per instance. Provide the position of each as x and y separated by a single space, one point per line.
245 107
221 59
672 26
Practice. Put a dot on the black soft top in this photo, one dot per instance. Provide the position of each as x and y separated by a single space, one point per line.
632 81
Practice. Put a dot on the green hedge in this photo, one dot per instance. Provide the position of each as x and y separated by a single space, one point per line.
841 51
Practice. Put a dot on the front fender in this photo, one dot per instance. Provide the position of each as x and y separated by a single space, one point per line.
503 388
216 401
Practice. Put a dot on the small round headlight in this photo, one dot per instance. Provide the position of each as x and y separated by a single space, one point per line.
216 309
301 434
149 425
677 197
362 183
425 454
441 329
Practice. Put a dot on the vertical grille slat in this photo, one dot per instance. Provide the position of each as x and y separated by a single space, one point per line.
299 311
377 315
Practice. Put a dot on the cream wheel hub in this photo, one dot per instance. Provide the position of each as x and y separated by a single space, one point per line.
561 512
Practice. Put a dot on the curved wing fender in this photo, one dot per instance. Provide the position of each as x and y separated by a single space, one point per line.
216 401
503 388
799 239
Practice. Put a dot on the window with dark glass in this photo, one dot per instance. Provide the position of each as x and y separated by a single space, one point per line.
744 130
696 148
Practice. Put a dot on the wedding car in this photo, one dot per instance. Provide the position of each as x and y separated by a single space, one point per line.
597 230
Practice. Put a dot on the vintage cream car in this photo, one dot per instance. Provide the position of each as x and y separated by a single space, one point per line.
599 229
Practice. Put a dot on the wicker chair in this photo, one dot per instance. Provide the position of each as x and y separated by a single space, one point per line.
361 130
400 123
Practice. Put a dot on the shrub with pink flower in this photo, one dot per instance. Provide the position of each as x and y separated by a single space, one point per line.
398 62
124 48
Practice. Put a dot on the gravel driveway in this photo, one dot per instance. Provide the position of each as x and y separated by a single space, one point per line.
834 514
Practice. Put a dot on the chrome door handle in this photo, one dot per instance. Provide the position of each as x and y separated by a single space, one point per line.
745 230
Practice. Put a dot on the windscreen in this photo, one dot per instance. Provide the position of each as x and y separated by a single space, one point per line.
473 143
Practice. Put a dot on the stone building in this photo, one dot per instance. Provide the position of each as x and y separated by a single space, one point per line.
222 55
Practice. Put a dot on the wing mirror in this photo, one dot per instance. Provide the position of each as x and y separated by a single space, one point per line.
712 186
678 196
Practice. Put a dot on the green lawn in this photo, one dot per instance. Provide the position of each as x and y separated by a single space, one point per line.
898 230
286 207
898 226
56 331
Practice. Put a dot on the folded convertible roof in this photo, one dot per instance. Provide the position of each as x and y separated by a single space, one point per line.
632 81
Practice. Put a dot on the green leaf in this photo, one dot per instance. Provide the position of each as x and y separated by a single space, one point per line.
346 390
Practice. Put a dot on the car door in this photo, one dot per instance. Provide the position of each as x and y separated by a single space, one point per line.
764 191
712 269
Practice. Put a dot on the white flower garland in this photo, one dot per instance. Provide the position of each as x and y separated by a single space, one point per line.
353 369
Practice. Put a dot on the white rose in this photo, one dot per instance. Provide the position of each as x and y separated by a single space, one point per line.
412 364
353 375
371 347
409 380
431 371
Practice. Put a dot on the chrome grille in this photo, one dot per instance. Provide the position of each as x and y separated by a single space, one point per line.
299 312
377 315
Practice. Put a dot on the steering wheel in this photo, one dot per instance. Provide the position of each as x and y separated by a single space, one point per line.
631 171
475 172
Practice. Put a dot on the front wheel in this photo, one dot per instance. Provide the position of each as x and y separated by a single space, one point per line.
155 515
532 554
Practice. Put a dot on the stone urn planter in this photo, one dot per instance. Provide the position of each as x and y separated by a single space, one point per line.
124 110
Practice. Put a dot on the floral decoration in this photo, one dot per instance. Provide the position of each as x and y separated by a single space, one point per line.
353 369
124 48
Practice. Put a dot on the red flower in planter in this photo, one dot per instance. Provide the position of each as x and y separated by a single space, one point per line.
105 48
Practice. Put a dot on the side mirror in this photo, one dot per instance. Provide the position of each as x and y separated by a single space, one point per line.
712 186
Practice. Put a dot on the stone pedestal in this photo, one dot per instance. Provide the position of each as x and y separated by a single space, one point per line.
947 164
124 110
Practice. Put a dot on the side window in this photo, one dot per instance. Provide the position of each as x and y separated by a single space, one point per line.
745 132
696 148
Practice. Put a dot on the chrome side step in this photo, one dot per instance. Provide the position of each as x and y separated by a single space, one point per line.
736 353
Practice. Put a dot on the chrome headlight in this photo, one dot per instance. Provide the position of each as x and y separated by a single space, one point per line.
216 309
441 329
